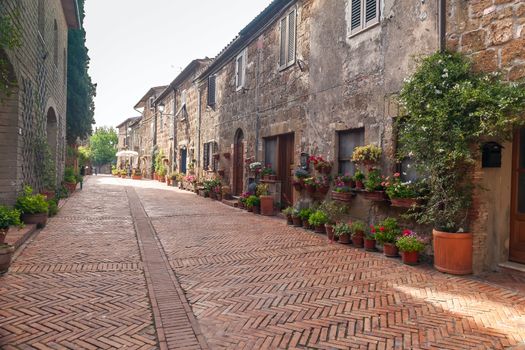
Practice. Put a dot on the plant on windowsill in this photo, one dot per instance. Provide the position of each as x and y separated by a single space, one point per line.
367 155
374 186
33 207
359 178
450 109
358 233
386 233
401 194
268 173
410 244
342 191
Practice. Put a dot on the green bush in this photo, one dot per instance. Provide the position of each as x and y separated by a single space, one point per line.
29 203
253 201
305 213
357 226
387 231
53 208
374 181
9 217
342 229
318 218
69 175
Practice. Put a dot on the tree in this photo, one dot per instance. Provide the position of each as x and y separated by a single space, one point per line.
80 89
103 145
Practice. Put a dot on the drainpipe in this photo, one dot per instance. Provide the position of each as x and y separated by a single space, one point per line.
174 150
442 25
199 111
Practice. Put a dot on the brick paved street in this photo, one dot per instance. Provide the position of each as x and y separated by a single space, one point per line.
88 280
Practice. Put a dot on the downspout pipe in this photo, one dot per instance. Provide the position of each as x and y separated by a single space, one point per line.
442 25
199 112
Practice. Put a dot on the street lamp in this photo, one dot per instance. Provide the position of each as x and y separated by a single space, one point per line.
161 107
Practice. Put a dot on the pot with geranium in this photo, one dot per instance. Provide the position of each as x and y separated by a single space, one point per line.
8 217
370 239
387 232
322 184
242 200
335 212
317 220
253 203
321 165
358 233
33 207
401 194
359 178
410 244
288 213
304 214
450 110
374 186
342 231
309 184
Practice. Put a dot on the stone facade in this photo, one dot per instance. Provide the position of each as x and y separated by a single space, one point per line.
35 110
129 138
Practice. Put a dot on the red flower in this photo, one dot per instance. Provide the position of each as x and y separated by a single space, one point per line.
406 232
372 229
382 229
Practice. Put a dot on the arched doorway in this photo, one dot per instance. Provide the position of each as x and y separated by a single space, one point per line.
238 163
52 131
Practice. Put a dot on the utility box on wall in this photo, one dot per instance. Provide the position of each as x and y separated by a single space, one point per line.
491 155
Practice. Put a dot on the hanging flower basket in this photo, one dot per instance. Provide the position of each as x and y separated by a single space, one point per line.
376 196
345 197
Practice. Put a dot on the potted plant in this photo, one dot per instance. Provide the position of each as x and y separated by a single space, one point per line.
161 172
342 232
253 203
322 184
387 233
359 178
296 218
217 189
242 200
136 174
33 207
70 180
6 253
401 194
255 168
335 212
410 244
358 233
317 220
268 173
309 184
342 191
450 109
374 186
321 165
370 239
367 155
300 175
304 214
266 199
8 217
288 213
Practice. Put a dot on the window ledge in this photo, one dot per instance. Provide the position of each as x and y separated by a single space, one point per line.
364 29
283 68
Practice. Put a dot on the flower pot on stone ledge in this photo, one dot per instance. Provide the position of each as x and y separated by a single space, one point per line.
403 202
453 252
344 197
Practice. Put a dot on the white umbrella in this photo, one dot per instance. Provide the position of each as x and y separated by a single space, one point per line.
127 154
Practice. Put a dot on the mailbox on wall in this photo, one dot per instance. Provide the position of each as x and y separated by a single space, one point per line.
491 155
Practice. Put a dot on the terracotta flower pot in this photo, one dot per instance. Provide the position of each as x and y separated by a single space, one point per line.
256 209
39 219
376 196
329 231
71 186
453 252
410 258
289 220
3 233
390 250
161 178
342 196
359 185
6 253
266 205
344 239
370 245
49 194
136 177
306 224
320 229
403 202
297 222
358 241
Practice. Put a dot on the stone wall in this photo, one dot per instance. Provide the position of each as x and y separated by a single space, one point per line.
40 70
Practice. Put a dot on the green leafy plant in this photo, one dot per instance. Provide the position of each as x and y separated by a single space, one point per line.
305 213
375 181
318 218
449 109
335 211
53 208
359 175
368 154
411 242
342 229
395 188
358 227
69 175
253 201
288 211
9 217
387 231
29 203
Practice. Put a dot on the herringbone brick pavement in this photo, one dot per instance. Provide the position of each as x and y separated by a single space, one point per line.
255 283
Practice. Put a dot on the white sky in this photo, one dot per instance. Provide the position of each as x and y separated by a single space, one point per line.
138 44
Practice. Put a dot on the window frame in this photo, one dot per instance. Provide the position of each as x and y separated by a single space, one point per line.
286 19
211 102
363 24
340 160
243 56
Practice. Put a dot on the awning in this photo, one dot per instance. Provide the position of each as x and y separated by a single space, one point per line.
127 154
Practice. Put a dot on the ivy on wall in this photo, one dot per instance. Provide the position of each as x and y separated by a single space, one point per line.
10 38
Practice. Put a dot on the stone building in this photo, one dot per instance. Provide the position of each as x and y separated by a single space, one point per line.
34 113
148 130
129 139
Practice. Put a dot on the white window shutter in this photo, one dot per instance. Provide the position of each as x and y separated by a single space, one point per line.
356 16
283 42
291 37
371 13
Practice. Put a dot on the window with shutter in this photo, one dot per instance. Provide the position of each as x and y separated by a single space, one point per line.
348 141
206 156
240 70
211 90
363 14
288 42
214 149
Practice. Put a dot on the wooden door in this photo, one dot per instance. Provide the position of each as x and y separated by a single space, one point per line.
183 160
238 164
286 161
517 225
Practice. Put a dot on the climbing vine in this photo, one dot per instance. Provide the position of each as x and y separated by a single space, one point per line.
10 38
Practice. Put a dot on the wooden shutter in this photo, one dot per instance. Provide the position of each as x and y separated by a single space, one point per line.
355 16
206 156
215 149
239 70
211 90
291 37
282 56
371 12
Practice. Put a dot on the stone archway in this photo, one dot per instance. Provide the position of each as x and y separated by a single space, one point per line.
52 131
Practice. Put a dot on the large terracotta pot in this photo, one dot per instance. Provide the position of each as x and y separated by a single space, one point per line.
6 253
3 233
320 229
358 241
297 222
266 205
390 250
370 245
453 252
71 186
410 258
39 219
342 196
344 239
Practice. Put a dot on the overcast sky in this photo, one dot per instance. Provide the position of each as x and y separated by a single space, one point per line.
138 44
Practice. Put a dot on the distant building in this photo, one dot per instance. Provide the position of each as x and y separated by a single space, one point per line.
34 113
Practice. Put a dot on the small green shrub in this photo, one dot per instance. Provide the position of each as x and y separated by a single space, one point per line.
253 201
318 218
358 227
69 175
305 213
53 208
9 217
342 229
29 203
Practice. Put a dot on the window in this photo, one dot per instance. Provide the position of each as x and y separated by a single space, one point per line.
240 71
348 141
363 14
406 167
183 98
211 90
55 44
208 161
270 152
288 43
150 103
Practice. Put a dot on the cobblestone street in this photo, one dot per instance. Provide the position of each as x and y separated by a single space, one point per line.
139 265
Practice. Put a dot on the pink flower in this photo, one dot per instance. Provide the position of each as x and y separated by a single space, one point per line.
406 232
397 175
